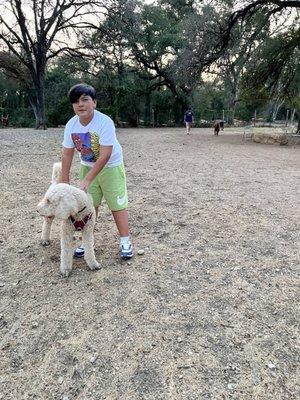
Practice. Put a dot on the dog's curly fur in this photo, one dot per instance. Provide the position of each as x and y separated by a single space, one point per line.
63 201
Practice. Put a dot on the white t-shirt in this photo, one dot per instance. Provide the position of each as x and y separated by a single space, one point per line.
88 139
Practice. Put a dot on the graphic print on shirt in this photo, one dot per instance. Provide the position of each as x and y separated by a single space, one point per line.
88 145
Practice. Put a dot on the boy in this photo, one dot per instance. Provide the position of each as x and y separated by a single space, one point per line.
102 173
188 119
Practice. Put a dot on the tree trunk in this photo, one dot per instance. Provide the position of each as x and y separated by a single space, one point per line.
40 122
179 109
276 109
147 110
37 100
38 113
231 107
40 119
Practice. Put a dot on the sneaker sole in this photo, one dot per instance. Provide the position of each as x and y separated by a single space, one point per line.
125 257
75 255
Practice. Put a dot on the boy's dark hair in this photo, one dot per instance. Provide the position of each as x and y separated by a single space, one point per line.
78 90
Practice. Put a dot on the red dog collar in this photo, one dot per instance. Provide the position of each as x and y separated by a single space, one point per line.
80 224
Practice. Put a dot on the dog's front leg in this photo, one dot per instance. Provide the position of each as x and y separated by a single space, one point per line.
66 258
46 229
88 244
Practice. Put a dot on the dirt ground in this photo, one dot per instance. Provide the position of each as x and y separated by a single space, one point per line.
208 312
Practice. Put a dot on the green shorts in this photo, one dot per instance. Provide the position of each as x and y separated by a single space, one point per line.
110 183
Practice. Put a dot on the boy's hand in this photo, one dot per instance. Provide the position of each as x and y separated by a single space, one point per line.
84 185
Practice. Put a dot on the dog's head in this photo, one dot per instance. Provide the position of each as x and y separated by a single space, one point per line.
61 201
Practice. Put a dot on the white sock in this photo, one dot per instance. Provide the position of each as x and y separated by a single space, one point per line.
124 239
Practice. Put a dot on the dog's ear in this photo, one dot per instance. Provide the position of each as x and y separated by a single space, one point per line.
81 200
54 197
72 204
90 199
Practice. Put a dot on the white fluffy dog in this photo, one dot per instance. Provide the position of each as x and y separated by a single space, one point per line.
74 207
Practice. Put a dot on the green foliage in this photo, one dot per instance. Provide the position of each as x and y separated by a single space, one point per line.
274 71
58 107
14 103
146 62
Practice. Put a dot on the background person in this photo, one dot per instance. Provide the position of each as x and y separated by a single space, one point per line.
102 172
188 119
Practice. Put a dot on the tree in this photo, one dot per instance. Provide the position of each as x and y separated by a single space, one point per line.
268 8
274 71
113 69
36 31
155 39
231 66
139 40
162 40
16 85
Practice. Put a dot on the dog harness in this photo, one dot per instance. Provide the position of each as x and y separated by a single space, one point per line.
79 224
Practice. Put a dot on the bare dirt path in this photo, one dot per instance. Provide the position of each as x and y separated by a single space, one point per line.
207 312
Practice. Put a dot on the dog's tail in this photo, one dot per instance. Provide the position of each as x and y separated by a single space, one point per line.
56 172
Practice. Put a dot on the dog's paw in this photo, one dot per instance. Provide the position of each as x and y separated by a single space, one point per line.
45 242
65 274
94 265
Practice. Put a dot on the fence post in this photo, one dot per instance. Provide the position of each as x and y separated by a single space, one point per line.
287 117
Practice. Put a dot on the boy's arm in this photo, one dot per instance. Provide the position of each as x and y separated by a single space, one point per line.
66 162
105 154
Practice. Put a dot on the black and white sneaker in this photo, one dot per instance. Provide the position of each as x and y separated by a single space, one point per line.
79 252
126 250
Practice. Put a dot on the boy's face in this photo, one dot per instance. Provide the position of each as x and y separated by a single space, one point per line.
84 108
